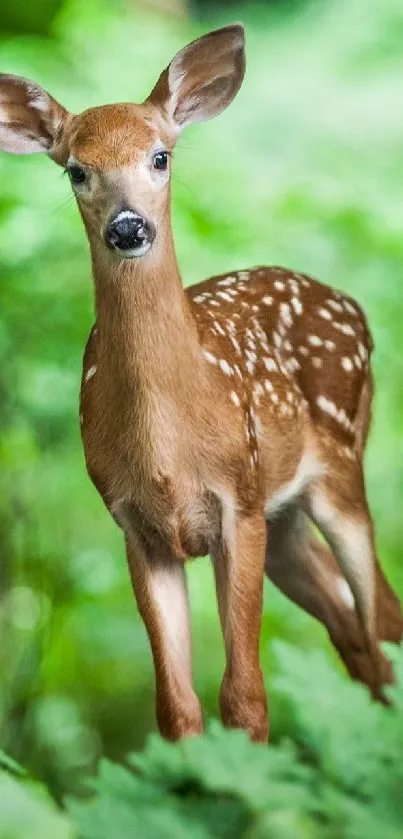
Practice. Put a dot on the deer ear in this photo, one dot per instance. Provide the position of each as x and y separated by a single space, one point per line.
203 78
30 120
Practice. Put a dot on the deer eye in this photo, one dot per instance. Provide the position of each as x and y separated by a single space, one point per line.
161 160
76 174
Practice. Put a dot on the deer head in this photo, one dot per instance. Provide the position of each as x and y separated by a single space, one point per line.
118 156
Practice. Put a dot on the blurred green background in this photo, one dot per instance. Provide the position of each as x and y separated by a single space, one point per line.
303 170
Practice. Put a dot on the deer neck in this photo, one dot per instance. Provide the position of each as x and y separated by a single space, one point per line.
146 335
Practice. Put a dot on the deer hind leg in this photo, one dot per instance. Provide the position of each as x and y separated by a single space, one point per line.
337 505
388 608
306 571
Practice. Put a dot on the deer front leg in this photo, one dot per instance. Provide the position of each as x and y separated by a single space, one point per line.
161 594
239 573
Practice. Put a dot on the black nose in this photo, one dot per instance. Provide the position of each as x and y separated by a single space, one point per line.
129 231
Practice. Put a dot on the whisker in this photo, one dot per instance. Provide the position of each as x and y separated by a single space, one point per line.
58 205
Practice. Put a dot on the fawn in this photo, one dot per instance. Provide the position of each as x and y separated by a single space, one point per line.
219 420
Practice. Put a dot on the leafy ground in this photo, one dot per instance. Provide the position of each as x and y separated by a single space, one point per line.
303 170
340 775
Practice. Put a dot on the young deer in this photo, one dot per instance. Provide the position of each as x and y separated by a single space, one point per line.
219 420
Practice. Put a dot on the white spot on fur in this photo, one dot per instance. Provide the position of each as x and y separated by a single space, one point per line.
346 328
347 364
337 307
285 313
270 365
225 367
293 286
292 364
330 408
324 313
235 398
219 328
209 357
349 308
225 296
227 281
235 344
362 352
297 305
90 373
326 405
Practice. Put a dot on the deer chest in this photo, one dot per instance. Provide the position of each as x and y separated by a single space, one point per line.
170 511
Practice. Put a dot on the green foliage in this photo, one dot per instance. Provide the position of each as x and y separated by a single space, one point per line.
27 812
341 776
20 16
11 765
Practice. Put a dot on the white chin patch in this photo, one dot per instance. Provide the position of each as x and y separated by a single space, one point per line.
129 254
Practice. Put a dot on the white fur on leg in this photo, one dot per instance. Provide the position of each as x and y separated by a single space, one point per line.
167 586
345 593
351 542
